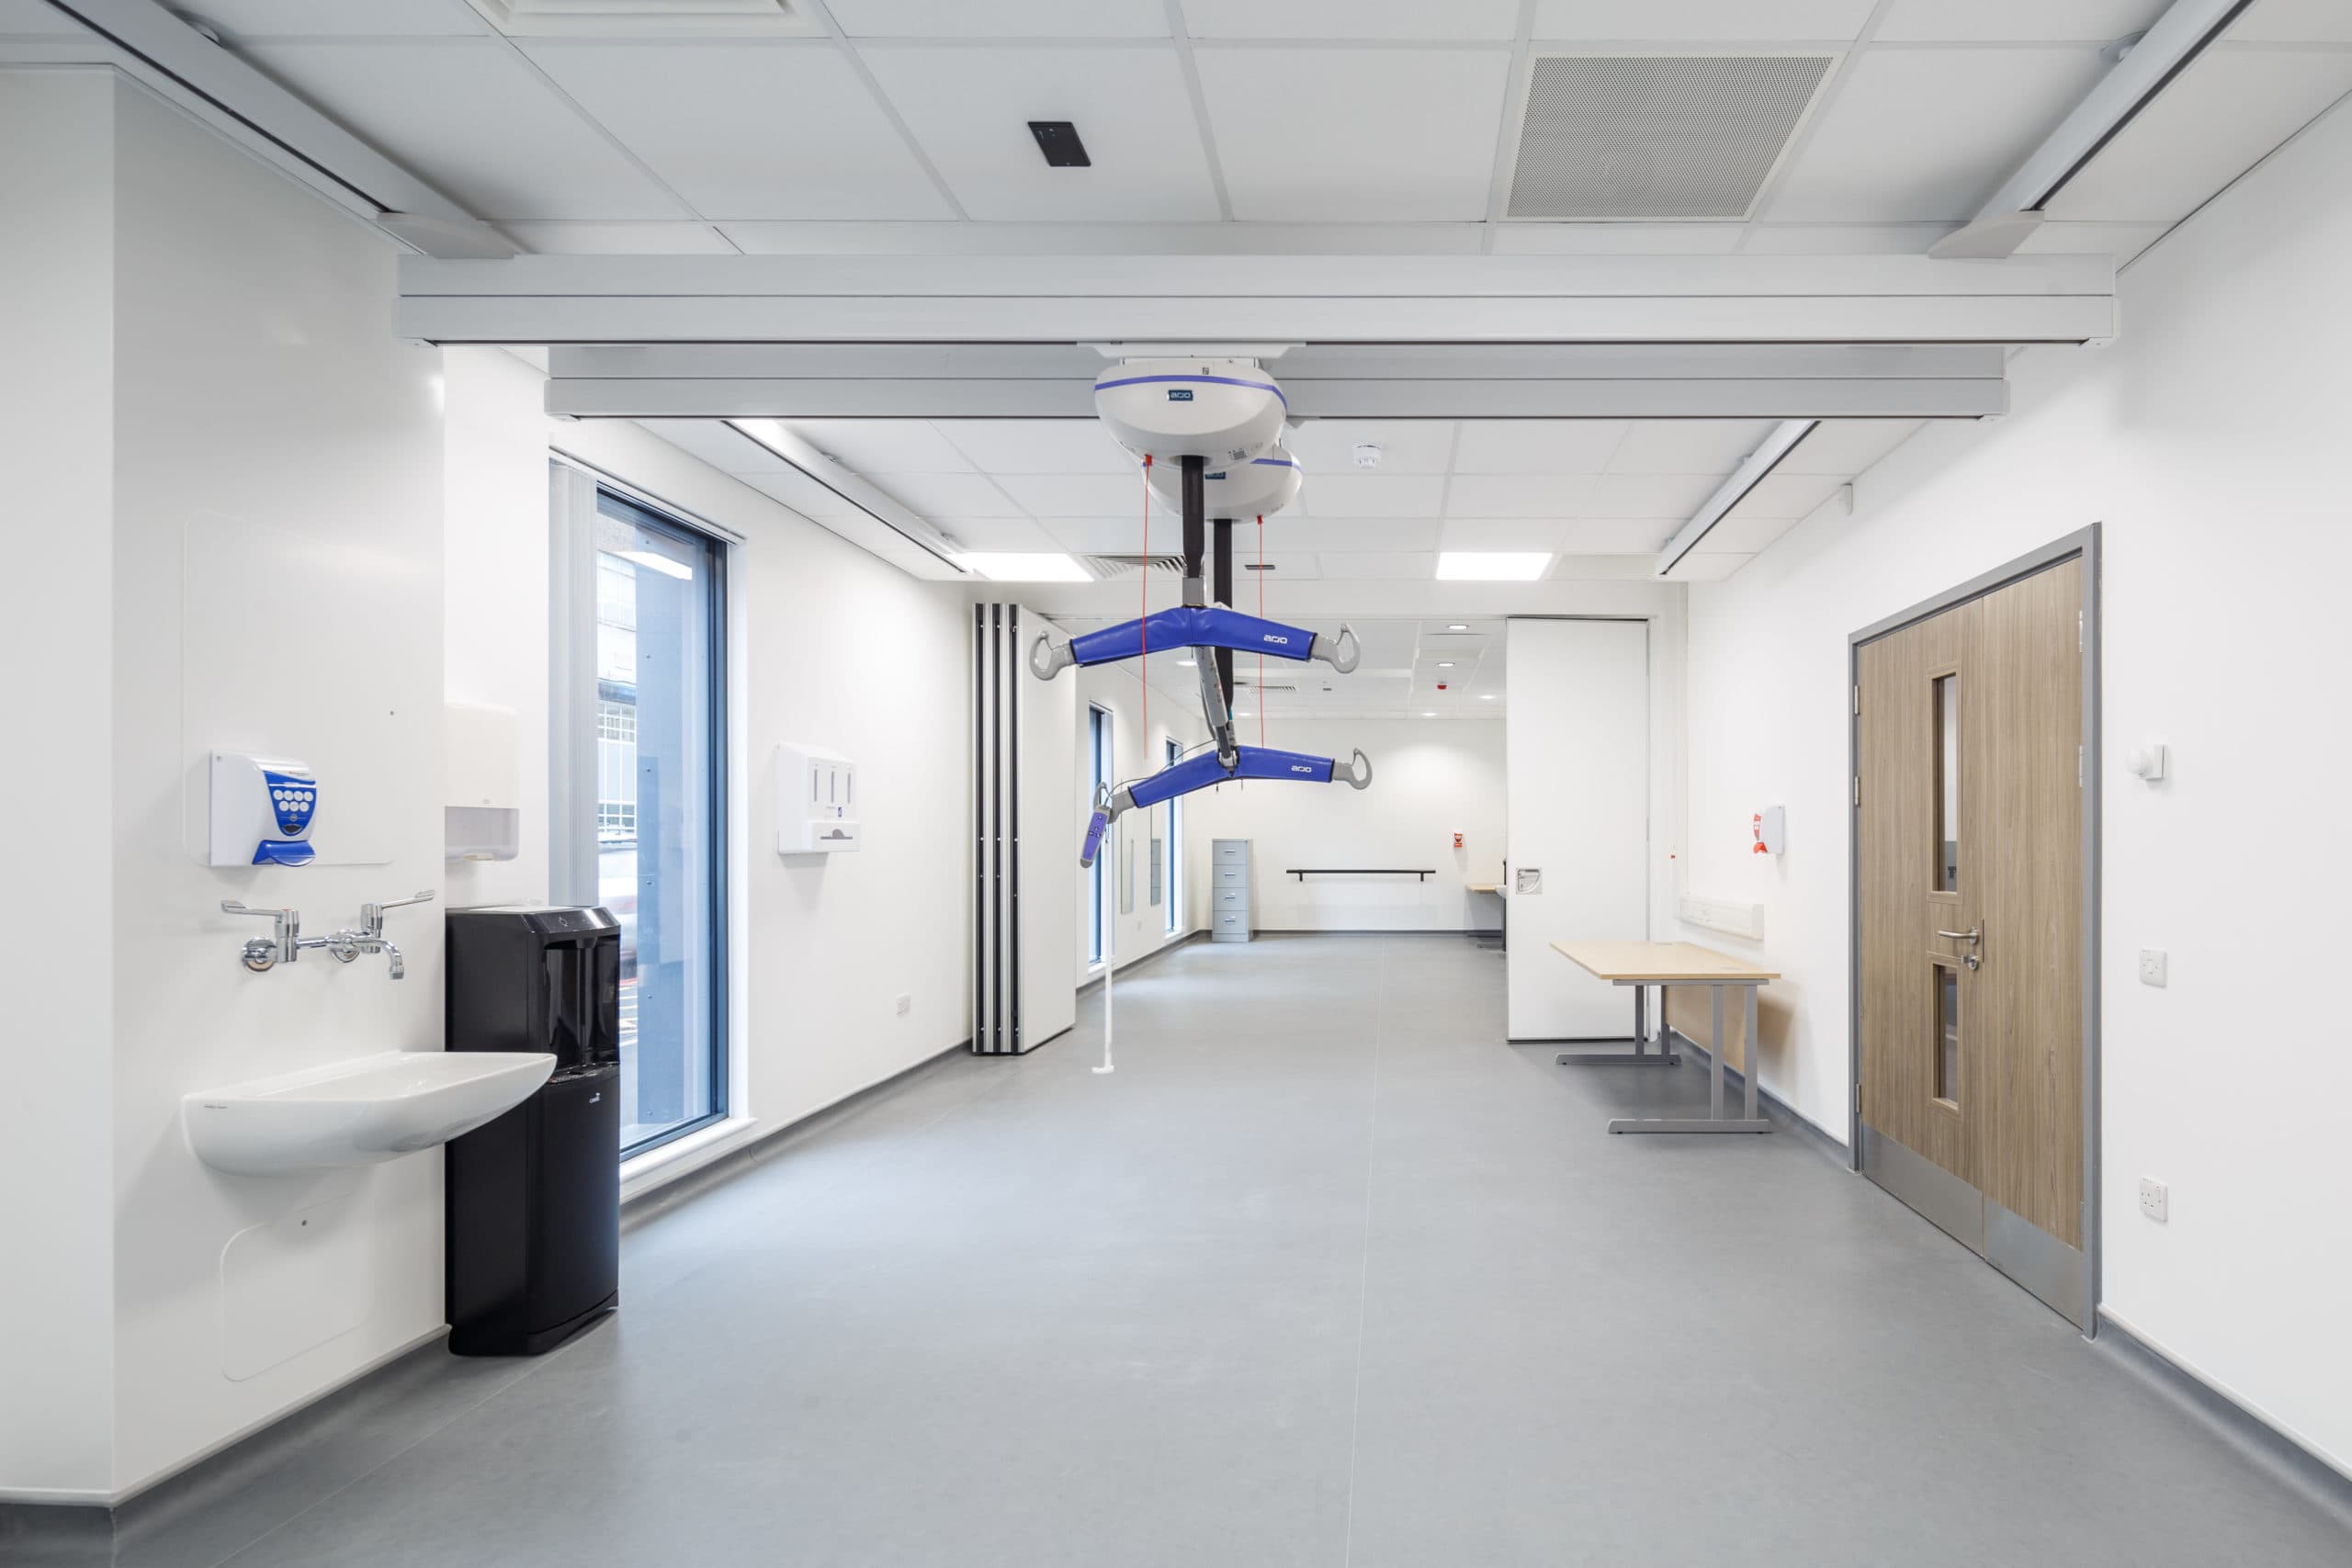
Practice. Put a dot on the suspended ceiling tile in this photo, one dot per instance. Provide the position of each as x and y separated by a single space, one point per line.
1111 535
1537 445
718 444
997 533
1672 496
1844 239
741 131
474 119
1745 535
2014 21
1385 134
618 239
1108 239
1380 566
1088 495
37 18
239 20
1707 567
1493 19
2219 118
1037 446
1916 135
1780 494
1000 18
2295 21
946 495
970 110
872 446
1326 535
1698 20
2121 241
1538 238
1590 536
803 494
1352 493
1288 566
1516 495
1407 445
1846 447
1687 445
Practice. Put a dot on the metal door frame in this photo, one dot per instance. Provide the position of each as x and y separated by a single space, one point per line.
2083 543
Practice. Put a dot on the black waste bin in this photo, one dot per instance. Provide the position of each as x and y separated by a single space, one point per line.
533 1200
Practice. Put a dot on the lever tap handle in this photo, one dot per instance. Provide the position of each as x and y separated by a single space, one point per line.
231 906
371 916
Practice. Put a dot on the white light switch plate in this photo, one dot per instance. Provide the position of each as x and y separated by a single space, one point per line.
906 1002
2155 1198
2152 966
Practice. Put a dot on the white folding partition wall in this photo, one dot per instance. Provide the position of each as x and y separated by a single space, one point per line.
1023 820
1575 775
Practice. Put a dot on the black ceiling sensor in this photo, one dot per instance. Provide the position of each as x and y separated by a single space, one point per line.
1058 140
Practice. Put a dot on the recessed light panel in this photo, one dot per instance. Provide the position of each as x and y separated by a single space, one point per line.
1022 566
1492 566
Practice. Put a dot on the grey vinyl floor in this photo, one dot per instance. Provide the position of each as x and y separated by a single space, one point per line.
1325 1273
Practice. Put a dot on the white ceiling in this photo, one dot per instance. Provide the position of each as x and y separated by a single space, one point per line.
1592 491
1302 126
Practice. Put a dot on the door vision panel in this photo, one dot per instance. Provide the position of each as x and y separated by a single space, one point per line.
1969 880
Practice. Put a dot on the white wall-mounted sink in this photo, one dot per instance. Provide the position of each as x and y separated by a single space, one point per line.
357 1111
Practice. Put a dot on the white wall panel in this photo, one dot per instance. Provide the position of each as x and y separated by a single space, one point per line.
1578 800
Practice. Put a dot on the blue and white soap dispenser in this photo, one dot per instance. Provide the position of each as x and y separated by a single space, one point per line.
261 810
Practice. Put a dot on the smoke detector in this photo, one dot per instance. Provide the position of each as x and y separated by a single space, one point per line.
1367 454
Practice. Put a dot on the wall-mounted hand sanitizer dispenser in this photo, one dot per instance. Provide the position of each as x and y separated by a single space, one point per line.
261 810
816 805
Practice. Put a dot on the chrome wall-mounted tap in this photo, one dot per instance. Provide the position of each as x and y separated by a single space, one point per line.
263 953
286 945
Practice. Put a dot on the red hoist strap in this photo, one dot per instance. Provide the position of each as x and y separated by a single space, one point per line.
1143 595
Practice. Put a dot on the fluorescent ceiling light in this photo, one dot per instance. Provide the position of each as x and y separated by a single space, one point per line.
661 564
1024 566
1429 716
1457 626
1485 697
1445 663
1188 663
1492 566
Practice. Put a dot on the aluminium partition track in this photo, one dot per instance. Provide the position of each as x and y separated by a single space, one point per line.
997 670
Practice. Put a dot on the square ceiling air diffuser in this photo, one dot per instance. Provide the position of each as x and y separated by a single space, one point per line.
1619 136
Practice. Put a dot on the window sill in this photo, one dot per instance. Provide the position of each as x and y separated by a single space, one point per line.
659 1167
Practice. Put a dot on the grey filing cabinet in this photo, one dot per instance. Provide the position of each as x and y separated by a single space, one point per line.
1229 890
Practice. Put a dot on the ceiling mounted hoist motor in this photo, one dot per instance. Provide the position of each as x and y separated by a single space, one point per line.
1209 431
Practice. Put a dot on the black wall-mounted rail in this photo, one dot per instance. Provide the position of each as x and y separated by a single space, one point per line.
1303 873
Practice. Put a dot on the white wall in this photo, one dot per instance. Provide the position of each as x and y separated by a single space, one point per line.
494 587
1430 778
1140 750
56 1187
2207 440
260 404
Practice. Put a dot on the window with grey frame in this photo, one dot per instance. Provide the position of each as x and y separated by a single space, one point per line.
637 758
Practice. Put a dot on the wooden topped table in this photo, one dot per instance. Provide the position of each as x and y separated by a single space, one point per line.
1664 963
1497 889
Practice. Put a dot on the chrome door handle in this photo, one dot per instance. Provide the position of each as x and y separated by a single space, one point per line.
1973 935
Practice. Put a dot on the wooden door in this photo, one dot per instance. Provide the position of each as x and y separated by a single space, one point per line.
1969 878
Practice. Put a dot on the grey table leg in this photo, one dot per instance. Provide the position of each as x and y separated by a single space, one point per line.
1714 1121
1639 1056
1750 1051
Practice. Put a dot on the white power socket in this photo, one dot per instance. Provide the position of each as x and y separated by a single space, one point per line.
2154 1199
2152 966
906 1002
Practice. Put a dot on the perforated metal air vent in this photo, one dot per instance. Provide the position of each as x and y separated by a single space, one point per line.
1104 567
1641 136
